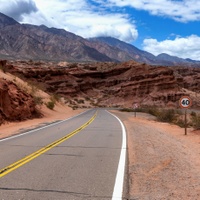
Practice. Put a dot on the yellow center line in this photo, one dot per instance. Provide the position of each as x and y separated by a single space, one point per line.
41 151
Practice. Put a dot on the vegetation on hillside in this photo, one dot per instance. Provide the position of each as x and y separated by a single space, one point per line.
169 115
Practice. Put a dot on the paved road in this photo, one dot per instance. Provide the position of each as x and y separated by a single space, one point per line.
57 163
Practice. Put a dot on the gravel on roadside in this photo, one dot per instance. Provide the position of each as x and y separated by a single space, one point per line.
163 164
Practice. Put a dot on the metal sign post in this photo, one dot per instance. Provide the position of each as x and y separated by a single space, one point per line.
185 121
185 102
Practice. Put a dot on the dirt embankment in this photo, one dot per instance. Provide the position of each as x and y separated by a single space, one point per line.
163 162
18 109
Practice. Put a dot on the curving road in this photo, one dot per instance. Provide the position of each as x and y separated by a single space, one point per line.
79 158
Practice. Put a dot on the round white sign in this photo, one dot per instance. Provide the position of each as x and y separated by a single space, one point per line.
185 102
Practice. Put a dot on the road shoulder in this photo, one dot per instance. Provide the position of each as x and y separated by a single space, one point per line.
163 162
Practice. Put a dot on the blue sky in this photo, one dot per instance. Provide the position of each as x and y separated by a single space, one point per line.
157 26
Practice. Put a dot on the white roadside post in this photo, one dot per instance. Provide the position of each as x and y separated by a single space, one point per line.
185 102
134 107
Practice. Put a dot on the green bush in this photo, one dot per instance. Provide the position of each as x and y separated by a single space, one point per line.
50 105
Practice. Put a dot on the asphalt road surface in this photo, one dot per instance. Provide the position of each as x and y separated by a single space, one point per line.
79 158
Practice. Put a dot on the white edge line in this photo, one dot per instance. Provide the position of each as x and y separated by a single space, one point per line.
119 180
38 129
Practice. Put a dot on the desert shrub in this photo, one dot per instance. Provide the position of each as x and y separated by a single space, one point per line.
138 110
133 110
180 122
38 100
196 121
73 65
80 101
193 114
163 115
87 98
47 77
126 110
55 98
166 115
74 107
151 110
34 89
76 99
3 66
179 112
50 105
15 79
38 63
23 87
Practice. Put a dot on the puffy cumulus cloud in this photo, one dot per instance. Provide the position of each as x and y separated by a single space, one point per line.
182 47
94 25
179 10
82 17
17 8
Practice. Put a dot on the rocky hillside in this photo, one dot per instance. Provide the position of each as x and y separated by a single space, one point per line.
25 41
41 43
130 52
111 84
15 104
133 53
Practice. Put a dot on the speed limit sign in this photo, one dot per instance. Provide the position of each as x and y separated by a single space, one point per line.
185 102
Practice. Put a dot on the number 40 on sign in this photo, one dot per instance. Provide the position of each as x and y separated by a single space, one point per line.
185 102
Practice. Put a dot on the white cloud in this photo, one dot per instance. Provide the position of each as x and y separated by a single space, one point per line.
80 17
182 47
17 8
179 10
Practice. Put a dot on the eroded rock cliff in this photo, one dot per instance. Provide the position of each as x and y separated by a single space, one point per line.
111 84
15 105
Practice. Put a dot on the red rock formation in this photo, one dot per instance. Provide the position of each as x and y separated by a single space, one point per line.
115 84
188 78
15 105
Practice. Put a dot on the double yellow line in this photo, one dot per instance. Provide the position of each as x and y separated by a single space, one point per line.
41 151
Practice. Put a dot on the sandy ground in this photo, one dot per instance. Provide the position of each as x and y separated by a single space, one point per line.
163 162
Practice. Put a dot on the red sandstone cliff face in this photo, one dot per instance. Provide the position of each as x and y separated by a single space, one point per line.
188 78
111 84
15 105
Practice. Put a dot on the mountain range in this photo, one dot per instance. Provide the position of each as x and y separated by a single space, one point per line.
25 41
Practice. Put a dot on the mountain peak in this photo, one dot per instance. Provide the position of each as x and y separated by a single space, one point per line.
6 21
173 59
